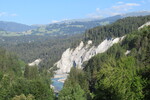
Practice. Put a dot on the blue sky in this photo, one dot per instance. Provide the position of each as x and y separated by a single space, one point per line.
48 11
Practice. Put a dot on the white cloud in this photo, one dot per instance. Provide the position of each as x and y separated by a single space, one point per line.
3 14
125 6
120 2
57 21
118 8
96 14
113 14
132 4
7 14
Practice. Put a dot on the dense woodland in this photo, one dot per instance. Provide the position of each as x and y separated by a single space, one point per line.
114 75
117 29
18 81
30 48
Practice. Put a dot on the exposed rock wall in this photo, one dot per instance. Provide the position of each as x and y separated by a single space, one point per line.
146 24
76 57
35 63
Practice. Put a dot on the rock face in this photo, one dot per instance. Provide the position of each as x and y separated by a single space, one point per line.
127 52
36 62
146 24
76 57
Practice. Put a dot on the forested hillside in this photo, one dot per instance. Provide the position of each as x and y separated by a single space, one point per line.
117 29
30 48
21 82
121 73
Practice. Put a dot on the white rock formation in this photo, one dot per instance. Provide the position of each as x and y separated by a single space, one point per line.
76 57
36 62
146 24
127 52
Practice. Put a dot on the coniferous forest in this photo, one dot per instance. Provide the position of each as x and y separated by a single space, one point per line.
114 75
18 81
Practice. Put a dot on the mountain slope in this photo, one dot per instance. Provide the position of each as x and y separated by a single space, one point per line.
103 37
117 29
67 28
137 46
121 73
14 27
134 14
78 26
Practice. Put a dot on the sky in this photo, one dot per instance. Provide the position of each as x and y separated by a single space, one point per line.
50 11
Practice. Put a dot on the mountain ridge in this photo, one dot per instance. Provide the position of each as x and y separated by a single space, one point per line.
14 27
69 27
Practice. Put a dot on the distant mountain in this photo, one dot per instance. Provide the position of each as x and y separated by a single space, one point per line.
66 27
15 27
77 26
78 20
69 27
139 13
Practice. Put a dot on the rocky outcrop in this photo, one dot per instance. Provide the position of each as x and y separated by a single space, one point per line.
127 52
146 24
35 63
76 57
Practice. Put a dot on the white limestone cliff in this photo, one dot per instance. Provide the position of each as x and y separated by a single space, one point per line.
76 57
146 24
127 52
36 62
